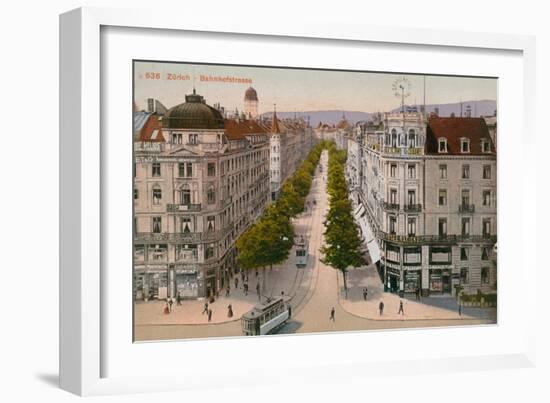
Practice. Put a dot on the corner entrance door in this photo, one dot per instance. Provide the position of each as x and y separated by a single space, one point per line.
446 284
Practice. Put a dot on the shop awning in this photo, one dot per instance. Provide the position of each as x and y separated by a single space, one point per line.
374 251
369 240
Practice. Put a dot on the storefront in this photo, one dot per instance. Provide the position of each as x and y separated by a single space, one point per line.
440 281
150 282
393 276
413 281
186 281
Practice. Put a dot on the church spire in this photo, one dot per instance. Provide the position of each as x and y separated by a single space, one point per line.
275 122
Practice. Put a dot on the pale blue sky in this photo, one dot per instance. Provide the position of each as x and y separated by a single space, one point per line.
302 90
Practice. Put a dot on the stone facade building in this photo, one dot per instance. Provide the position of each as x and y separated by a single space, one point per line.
425 195
290 142
199 181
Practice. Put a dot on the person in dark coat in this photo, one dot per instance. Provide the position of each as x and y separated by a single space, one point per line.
229 311
381 307
209 315
401 311
227 291
332 312
170 303
365 293
205 310
166 309
178 299
236 282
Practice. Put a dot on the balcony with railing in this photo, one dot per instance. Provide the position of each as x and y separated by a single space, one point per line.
413 208
183 208
390 206
179 236
436 239
403 150
466 208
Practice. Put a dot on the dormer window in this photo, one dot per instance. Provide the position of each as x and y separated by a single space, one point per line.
485 146
442 145
464 145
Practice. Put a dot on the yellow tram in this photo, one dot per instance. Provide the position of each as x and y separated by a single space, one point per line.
266 318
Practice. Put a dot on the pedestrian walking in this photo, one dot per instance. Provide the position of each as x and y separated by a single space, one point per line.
417 292
365 292
401 311
166 309
258 287
170 303
205 310
178 299
332 312
236 282
381 307
227 291
459 309
209 315
229 311
245 287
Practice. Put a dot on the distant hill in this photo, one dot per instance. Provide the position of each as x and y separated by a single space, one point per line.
478 108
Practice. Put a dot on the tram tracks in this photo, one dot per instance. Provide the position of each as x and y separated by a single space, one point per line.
302 300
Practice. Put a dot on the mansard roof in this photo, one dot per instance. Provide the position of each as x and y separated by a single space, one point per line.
454 129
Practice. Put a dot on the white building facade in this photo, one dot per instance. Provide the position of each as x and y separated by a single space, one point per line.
427 192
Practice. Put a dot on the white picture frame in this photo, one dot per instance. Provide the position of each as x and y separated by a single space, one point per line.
84 344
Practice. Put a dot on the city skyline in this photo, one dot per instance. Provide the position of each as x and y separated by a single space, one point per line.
299 90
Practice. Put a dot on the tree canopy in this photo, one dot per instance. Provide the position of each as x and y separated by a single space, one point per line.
342 243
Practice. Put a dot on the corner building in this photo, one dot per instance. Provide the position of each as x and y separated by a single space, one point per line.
199 181
426 193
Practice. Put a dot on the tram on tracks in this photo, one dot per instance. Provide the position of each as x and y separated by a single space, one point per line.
266 318
301 250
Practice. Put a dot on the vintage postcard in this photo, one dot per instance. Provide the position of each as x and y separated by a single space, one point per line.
277 201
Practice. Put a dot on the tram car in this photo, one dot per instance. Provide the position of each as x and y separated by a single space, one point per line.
301 251
266 318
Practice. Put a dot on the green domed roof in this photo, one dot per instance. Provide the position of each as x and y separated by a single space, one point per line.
193 114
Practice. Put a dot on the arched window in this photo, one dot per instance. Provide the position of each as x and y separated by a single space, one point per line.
394 138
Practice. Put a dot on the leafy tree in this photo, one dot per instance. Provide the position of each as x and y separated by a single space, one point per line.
342 244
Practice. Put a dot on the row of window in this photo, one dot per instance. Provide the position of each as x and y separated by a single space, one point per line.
465 227
464 145
192 138
187 224
185 169
183 195
465 172
442 197
465 200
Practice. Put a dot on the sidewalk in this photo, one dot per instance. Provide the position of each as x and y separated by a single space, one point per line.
439 308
